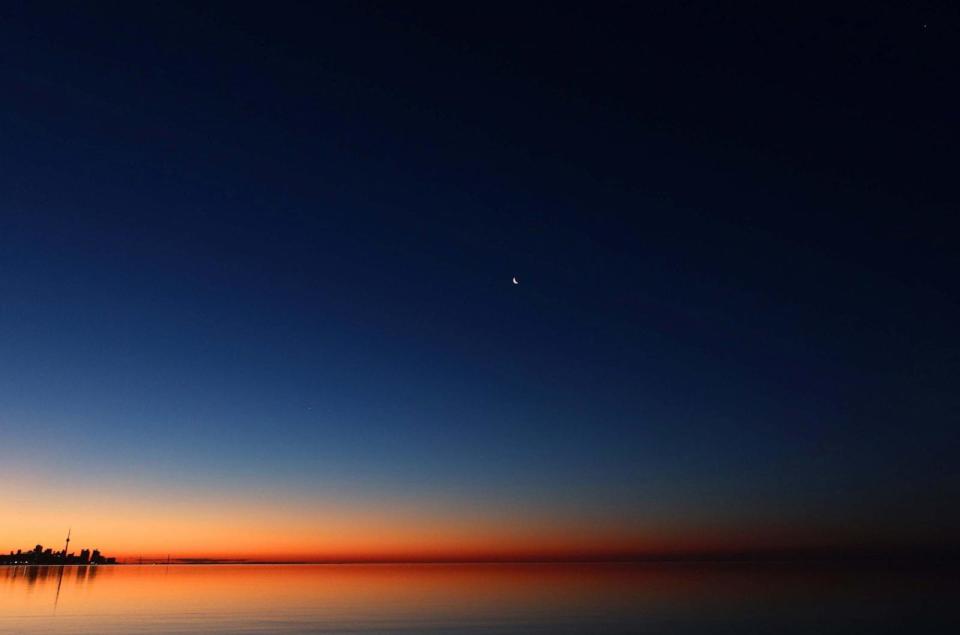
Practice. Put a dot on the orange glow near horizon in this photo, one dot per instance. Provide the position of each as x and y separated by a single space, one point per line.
131 523
144 523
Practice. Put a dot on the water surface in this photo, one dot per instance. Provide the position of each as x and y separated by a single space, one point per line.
602 598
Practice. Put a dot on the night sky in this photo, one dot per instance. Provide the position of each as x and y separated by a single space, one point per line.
256 272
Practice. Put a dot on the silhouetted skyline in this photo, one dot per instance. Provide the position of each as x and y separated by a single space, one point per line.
47 556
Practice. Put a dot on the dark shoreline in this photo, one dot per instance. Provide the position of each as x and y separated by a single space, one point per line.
945 560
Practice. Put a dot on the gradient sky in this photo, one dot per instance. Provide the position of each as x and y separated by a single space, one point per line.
256 261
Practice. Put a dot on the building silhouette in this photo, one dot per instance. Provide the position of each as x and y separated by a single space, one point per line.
39 555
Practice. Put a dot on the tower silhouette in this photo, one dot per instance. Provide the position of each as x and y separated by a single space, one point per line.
66 546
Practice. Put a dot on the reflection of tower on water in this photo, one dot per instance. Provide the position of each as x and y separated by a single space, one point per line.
56 598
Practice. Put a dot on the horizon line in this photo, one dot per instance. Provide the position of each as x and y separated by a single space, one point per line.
948 553
837 552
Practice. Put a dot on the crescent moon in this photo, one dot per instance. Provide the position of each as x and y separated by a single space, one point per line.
515 280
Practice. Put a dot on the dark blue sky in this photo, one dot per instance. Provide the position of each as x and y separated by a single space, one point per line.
273 245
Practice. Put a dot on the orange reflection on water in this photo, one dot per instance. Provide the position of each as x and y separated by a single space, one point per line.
342 589
441 598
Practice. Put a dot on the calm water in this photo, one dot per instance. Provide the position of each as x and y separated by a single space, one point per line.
286 599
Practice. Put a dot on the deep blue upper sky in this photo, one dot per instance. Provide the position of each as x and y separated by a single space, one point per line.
276 243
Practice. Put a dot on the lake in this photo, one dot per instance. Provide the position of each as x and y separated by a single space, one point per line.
478 598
